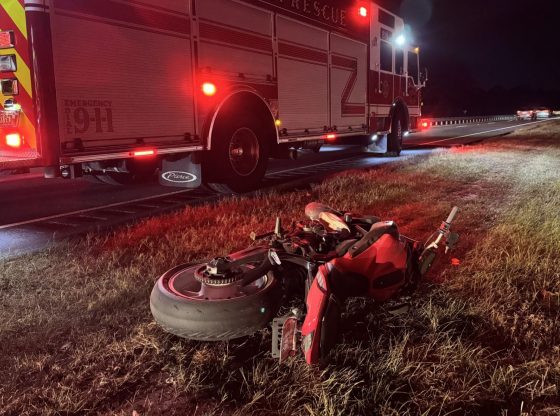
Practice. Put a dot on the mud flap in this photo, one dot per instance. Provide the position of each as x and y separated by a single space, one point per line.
284 337
183 172
379 146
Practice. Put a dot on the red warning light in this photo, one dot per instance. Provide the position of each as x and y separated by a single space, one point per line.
362 11
143 152
455 262
14 140
425 124
209 89
331 136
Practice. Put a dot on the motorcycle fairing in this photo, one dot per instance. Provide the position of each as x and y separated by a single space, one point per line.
382 265
320 328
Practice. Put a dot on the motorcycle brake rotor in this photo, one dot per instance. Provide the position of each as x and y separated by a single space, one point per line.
203 276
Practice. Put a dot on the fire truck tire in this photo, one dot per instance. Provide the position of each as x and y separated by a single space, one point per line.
395 138
212 320
239 155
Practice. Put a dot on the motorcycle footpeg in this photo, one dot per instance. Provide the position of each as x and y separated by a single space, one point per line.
284 337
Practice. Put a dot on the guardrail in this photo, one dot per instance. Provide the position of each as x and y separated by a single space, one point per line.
432 122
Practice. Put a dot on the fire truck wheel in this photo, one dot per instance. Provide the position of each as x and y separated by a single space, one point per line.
239 156
178 307
395 138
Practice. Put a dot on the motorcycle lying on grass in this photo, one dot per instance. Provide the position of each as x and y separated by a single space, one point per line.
310 270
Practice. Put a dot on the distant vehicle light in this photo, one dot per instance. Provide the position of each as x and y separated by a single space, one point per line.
363 11
425 124
278 122
400 40
14 140
143 153
331 136
209 89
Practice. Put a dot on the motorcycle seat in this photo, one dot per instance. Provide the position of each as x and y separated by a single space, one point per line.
375 232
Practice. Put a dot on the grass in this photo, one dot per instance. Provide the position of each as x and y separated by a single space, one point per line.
76 334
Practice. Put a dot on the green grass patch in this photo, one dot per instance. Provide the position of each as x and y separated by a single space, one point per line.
76 334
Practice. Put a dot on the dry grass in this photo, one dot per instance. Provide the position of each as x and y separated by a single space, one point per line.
76 335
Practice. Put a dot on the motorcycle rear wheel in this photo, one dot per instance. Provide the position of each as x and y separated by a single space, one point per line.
178 307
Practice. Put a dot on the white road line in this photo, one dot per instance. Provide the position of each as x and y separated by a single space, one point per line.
310 166
484 132
82 211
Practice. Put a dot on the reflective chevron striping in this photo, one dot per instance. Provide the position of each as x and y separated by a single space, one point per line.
17 13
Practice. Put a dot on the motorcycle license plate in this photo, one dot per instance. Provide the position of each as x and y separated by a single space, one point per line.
9 119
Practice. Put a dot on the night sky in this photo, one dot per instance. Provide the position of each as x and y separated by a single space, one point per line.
509 48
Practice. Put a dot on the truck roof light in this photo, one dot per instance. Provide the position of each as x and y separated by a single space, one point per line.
14 140
209 89
7 39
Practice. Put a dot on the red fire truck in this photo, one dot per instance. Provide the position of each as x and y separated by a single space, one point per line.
198 90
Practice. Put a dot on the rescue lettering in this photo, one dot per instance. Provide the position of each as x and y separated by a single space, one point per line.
87 116
318 9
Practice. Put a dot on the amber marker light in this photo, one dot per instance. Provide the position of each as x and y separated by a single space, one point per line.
209 89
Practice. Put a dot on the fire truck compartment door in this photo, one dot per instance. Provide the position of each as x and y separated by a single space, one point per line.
348 82
302 76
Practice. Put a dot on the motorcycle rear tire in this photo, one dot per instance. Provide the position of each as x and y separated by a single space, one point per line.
213 320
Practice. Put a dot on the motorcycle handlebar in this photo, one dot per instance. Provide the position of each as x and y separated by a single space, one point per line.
452 214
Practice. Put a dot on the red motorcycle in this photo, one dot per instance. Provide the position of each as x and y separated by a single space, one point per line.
310 270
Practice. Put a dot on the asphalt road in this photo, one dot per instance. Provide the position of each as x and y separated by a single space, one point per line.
454 135
26 198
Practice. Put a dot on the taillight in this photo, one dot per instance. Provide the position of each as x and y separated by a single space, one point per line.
425 124
209 89
14 140
7 39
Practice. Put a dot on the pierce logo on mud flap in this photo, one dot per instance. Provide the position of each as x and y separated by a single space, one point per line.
179 177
